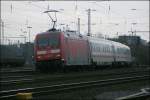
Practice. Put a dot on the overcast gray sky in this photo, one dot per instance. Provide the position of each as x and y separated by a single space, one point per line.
109 18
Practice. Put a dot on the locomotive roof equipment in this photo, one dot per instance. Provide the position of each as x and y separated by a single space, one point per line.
53 21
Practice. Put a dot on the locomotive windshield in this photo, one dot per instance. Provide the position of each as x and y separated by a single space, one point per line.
42 41
51 40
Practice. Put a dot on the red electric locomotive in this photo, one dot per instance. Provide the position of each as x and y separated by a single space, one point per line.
56 50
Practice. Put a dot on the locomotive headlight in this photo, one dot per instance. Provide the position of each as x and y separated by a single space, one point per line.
38 57
58 55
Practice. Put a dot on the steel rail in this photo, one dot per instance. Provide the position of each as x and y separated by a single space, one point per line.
62 87
11 73
17 71
9 77
28 70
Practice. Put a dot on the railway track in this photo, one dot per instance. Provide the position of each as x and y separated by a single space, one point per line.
59 79
24 74
44 90
17 73
15 77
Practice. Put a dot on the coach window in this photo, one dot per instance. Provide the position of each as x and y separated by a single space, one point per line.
93 47
103 49
126 52
107 49
123 51
97 49
119 50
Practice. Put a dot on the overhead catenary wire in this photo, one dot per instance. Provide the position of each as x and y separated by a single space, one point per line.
77 6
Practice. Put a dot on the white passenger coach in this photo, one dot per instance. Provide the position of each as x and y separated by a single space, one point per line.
106 52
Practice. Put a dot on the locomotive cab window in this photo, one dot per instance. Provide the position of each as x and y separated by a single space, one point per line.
42 41
54 40
51 40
